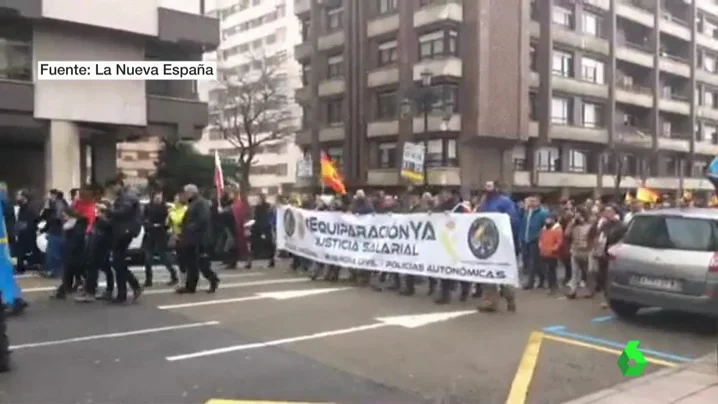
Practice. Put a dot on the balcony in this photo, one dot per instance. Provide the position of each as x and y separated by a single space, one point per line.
177 26
705 111
330 41
438 11
640 54
572 38
331 87
706 41
444 67
577 86
185 116
438 124
633 137
302 6
708 7
632 11
303 50
326 134
382 25
444 176
564 179
674 64
634 95
705 76
675 103
677 145
383 177
579 134
675 27
383 76
706 148
382 128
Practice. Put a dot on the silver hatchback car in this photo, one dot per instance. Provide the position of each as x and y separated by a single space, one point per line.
669 259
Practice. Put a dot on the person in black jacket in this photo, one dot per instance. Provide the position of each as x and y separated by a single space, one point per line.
74 226
125 218
99 246
196 241
26 250
156 239
262 232
51 214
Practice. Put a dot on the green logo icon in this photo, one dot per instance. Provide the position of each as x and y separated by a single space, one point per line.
631 354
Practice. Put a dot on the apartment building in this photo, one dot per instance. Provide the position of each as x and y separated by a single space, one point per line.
542 94
60 134
252 30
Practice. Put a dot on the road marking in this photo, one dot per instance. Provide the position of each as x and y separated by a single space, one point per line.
236 285
220 401
561 332
409 321
602 319
281 295
601 348
525 373
114 335
147 292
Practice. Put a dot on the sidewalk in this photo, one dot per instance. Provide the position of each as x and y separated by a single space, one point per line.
696 383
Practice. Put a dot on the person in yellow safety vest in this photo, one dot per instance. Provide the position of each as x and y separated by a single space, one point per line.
175 216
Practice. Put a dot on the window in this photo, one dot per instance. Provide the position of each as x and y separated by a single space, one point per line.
386 6
452 153
306 29
306 71
533 57
335 66
562 16
577 161
562 63
434 153
335 110
709 63
533 107
671 232
256 2
256 44
591 24
709 133
592 115
560 111
447 93
592 70
387 53
15 59
387 155
334 18
547 159
438 44
519 158
386 105
271 39
336 155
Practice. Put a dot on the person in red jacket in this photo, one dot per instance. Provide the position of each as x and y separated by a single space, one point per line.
550 247
84 204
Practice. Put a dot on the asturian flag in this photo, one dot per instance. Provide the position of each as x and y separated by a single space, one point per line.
218 176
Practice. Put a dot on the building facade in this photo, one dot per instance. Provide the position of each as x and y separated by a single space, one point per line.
252 30
541 94
137 160
60 134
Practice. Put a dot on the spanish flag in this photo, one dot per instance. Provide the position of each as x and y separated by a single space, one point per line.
646 195
330 175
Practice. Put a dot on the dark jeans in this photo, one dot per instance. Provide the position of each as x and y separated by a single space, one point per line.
4 343
567 270
99 261
197 260
532 263
155 243
26 252
119 264
53 254
550 265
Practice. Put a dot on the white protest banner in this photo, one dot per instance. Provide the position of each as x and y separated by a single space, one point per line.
476 247
412 162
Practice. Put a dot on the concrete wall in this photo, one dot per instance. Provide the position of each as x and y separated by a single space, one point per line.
138 16
116 102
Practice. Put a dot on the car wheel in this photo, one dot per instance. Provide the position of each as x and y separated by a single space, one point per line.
623 309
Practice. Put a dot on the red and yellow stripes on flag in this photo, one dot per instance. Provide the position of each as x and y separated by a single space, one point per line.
330 176
647 195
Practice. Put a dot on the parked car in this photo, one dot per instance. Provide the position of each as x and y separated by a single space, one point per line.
668 258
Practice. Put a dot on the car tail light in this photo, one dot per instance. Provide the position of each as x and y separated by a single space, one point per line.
713 266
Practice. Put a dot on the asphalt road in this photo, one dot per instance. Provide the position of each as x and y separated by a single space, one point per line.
290 339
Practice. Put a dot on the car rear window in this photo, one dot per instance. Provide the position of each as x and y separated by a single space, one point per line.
672 232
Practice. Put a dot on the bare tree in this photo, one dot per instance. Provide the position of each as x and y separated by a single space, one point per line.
252 109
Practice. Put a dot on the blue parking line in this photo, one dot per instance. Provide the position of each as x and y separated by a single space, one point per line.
561 332
602 319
